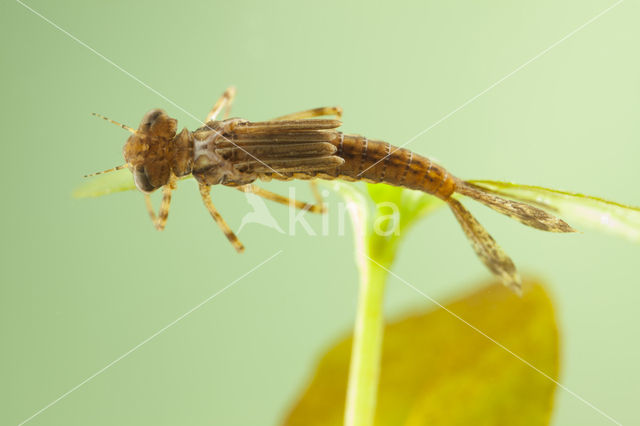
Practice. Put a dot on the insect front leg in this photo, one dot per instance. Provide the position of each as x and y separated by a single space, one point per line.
206 199
223 102
311 113
314 208
163 214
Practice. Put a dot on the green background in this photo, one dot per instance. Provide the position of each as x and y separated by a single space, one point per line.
84 281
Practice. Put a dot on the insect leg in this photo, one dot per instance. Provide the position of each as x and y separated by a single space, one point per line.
224 101
311 113
206 199
163 214
152 213
317 195
314 208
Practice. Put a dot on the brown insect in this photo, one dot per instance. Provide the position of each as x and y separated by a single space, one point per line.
236 152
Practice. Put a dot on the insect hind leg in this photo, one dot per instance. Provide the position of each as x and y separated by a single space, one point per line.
223 102
318 196
314 208
311 113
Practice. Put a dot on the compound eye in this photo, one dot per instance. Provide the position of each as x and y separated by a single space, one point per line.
150 118
142 180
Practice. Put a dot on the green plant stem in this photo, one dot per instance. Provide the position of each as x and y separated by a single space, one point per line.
367 346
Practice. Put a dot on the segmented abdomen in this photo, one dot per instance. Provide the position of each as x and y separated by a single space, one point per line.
380 162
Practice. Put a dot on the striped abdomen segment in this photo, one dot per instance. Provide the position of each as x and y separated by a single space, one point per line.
381 162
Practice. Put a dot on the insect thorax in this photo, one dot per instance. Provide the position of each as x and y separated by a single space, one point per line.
208 166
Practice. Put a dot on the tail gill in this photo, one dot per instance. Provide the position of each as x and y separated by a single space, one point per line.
524 213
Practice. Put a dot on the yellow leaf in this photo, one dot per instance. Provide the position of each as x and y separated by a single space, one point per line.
437 370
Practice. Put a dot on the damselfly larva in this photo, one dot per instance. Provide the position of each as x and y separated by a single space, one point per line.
236 152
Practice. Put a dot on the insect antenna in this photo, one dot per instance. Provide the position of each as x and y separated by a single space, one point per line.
109 170
124 126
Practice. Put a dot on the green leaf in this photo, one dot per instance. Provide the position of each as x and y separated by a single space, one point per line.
108 183
437 370
377 234
357 206
380 226
385 232
581 209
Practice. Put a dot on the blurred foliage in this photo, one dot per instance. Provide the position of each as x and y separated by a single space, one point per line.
108 183
412 206
437 370
378 229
